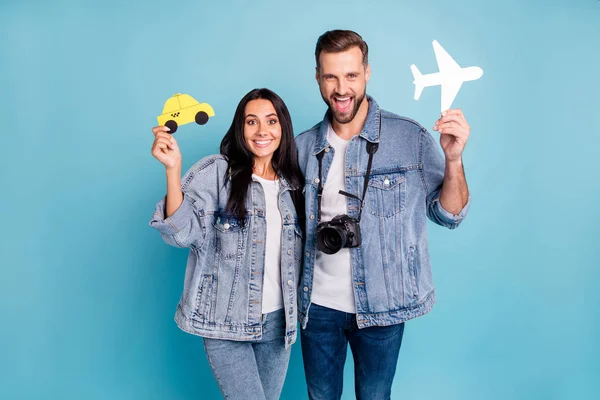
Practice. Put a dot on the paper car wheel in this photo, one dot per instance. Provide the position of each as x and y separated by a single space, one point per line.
201 118
172 125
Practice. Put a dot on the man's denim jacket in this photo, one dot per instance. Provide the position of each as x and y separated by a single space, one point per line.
222 291
391 269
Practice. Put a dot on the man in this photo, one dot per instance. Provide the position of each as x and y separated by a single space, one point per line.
362 293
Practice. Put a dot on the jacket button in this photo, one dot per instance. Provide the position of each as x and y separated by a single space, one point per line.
290 282
312 217
290 251
305 288
307 254
326 149
226 226
386 181
317 180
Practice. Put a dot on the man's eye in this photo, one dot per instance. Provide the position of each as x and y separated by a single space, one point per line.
352 76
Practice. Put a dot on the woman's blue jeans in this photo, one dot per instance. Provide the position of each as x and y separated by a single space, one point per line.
252 370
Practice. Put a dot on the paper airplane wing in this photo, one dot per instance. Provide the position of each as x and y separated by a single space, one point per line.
450 89
446 64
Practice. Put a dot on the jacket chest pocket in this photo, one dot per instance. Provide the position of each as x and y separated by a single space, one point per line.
230 241
386 194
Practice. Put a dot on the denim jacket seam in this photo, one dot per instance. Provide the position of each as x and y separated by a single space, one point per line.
197 213
420 161
199 168
172 225
402 309
179 242
389 115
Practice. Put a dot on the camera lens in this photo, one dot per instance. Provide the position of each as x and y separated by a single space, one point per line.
330 239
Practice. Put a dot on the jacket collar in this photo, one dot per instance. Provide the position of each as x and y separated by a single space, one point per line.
283 183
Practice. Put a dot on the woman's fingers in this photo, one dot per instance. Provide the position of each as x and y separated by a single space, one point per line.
158 129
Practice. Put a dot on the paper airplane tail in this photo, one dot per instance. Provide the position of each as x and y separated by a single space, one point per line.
418 83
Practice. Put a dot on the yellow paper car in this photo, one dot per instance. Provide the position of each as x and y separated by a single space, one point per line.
182 109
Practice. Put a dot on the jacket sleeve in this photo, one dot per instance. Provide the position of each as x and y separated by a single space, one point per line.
432 173
182 229
187 226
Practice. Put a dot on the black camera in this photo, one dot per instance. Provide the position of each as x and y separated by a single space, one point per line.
342 231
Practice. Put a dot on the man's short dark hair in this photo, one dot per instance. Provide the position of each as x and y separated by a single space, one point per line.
339 40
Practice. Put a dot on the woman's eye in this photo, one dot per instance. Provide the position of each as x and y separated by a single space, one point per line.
272 122
251 122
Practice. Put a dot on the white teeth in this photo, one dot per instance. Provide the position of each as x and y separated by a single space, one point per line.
262 142
342 98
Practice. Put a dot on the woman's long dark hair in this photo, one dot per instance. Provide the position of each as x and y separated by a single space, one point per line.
241 159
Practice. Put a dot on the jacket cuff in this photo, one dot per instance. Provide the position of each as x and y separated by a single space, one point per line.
173 224
449 218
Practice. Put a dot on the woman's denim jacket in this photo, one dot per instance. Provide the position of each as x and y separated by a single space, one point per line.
222 291
391 270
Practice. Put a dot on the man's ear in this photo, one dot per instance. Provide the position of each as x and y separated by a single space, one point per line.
317 74
368 73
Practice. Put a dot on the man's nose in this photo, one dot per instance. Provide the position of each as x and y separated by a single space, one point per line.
342 86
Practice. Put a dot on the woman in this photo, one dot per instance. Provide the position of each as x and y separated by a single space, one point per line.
237 213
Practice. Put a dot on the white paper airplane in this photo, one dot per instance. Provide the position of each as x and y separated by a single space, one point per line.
450 77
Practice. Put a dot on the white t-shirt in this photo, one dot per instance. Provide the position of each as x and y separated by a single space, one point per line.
272 295
332 281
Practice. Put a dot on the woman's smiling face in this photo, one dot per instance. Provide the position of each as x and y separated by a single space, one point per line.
262 130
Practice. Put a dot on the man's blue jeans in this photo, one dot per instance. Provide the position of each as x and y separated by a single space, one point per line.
324 346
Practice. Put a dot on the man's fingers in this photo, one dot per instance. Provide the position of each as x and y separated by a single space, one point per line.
448 118
453 111
458 133
453 129
448 125
451 118
453 136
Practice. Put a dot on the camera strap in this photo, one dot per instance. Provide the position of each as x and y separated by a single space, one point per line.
371 150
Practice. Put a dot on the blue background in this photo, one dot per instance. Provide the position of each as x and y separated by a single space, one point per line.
88 290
